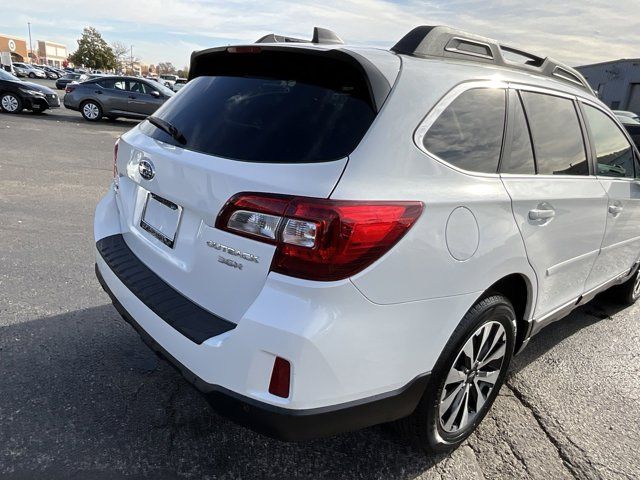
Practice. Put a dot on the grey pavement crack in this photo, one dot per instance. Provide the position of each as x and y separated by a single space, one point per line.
566 459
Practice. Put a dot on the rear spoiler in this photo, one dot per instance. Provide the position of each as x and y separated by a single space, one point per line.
213 61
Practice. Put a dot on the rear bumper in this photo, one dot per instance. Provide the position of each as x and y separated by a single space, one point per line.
283 423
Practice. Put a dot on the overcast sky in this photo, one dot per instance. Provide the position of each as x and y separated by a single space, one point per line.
573 31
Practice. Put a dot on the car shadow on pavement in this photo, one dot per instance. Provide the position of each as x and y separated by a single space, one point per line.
601 308
83 397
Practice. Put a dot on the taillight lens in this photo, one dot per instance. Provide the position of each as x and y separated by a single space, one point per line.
319 239
69 89
115 159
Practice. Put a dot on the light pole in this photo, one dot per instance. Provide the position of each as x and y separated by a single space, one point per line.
131 59
30 44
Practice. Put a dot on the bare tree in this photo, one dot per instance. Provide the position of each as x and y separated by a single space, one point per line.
123 55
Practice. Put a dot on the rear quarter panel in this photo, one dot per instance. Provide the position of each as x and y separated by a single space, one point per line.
387 165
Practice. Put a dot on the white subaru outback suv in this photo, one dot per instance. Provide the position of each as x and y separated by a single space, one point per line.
323 237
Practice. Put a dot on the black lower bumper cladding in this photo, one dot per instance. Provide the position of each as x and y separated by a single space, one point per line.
276 422
191 320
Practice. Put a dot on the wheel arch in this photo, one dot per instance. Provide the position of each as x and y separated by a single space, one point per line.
519 289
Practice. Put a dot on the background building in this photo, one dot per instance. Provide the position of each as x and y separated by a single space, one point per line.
52 53
617 82
15 46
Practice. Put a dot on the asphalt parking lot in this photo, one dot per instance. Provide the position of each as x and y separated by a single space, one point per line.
81 397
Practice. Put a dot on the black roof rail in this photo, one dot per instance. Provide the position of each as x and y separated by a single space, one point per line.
442 41
320 36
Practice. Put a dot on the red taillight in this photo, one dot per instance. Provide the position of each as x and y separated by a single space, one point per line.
280 378
319 239
69 89
115 159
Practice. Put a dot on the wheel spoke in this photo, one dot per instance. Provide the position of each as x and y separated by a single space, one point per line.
455 376
499 353
468 351
456 408
486 330
480 399
465 409
496 338
446 402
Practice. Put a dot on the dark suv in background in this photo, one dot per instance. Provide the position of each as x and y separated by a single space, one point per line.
115 96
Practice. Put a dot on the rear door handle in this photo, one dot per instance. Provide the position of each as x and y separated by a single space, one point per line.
615 210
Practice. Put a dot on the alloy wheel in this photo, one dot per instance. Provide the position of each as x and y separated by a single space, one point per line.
9 103
472 377
91 111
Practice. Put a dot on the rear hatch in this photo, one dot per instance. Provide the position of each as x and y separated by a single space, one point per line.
262 119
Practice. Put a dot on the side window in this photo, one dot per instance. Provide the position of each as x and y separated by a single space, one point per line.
613 151
521 157
556 134
137 87
106 83
468 134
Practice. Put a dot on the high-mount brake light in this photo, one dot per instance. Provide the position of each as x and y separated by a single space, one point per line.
316 238
247 49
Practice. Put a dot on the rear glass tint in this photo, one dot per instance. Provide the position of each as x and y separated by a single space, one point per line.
307 109
468 134
557 136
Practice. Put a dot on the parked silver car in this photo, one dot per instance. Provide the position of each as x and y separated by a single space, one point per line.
115 96
29 70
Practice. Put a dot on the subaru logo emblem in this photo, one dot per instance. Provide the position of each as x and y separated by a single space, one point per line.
146 169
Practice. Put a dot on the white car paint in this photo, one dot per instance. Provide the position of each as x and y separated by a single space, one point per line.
374 332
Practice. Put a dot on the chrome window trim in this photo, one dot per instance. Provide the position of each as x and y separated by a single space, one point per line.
430 118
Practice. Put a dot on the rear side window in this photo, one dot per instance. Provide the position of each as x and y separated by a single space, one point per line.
556 133
272 108
468 133
613 151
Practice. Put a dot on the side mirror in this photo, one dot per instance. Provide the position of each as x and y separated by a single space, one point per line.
155 93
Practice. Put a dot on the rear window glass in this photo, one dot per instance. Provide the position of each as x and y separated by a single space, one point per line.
468 134
557 136
304 112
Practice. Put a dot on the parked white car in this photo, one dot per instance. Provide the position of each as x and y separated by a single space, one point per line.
168 80
324 237
29 70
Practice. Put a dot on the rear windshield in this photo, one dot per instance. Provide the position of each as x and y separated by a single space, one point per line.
257 110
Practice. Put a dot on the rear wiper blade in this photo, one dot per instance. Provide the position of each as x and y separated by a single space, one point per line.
167 128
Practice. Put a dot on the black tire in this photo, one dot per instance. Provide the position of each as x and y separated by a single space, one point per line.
90 105
32 75
628 292
14 99
424 427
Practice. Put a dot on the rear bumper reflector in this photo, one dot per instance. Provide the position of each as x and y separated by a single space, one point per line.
188 318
